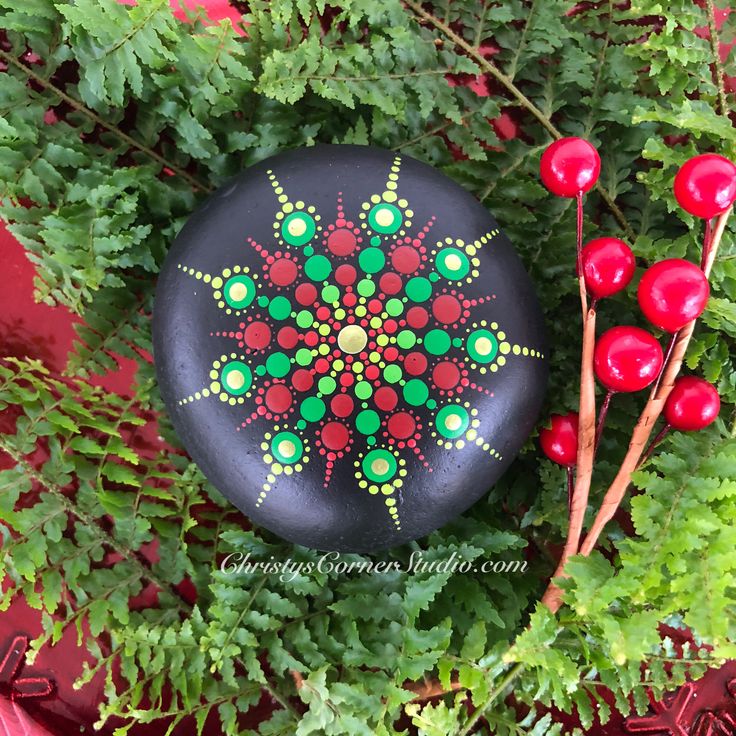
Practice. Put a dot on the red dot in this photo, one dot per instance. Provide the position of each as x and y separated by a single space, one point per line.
417 317
311 338
306 294
375 306
385 398
446 309
283 272
390 326
323 314
257 335
341 405
302 380
405 259
335 435
322 365
446 375
345 274
401 425
415 364
287 337
349 300
341 242
390 354
278 398
372 372
346 379
390 283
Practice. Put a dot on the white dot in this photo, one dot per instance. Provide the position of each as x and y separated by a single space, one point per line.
379 466
483 346
297 227
453 262
287 448
384 217
235 379
238 291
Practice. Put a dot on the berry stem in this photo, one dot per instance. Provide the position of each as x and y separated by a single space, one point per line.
579 242
602 417
667 356
570 485
586 428
653 444
650 414
707 237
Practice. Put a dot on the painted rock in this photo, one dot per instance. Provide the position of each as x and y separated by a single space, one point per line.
348 346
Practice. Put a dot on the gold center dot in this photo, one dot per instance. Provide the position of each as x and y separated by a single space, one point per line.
380 466
235 379
286 448
453 262
297 227
453 422
384 217
483 346
238 291
352 339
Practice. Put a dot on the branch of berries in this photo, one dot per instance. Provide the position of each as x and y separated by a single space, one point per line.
672 294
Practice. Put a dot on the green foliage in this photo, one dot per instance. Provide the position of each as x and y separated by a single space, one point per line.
118 123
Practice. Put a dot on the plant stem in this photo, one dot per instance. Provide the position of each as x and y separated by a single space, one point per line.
715 48
570 486
511 675
651 412
653 444
490 68
80 107
602 418
586 431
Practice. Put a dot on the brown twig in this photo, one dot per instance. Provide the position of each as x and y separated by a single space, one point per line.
652 411
586 433
715 45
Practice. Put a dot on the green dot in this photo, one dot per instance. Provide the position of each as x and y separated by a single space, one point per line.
370 440
303 356
298 228
394 307
379 465
326 385
366 287
304 318
437 342
452 263
431 404
406 339
457 342
287 447
318 268
262 301
375 240
260 370
301 424
312 409
278 365
452 421
330 294
309 251
280 307
239 291
418 289
434 277
236 378
372 260
385 218
416 392
363 390
392 373
367 422
482 346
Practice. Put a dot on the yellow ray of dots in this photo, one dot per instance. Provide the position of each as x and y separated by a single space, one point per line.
504 348
237 291
216 389
454 262
389 196
470 436
380 466
287 207
275 467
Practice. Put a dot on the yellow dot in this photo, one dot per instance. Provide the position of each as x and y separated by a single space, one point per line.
287 448
235 379
483 346
352 339
453 262
384 217
453 422
297 227
238 291
379 466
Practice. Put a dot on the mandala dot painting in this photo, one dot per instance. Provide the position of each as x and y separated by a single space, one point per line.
348 346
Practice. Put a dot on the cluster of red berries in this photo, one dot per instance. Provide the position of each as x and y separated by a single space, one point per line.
671 293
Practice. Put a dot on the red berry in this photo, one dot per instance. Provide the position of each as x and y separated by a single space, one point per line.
627 359
705 186
693 404
560 440
608 266
569 166
672 293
